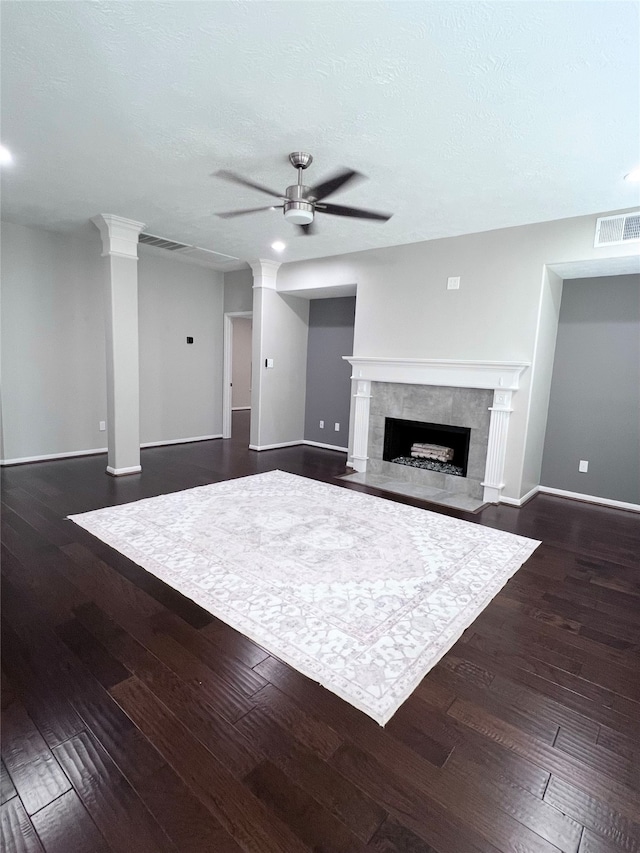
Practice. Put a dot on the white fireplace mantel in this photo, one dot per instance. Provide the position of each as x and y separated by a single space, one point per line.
503 377
439 371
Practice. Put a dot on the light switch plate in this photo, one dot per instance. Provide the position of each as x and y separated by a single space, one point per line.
453 282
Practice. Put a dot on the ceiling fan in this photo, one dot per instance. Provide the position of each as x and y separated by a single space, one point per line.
301 202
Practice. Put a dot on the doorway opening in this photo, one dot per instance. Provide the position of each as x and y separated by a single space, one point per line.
236 381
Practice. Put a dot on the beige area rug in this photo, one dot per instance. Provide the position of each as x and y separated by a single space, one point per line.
359 593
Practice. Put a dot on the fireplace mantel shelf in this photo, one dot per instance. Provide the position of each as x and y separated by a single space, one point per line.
453 373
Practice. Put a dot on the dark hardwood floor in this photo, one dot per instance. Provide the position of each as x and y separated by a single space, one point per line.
134 721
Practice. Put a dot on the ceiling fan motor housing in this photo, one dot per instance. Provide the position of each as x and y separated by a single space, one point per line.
297 209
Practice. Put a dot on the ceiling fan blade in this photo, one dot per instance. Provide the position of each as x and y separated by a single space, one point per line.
307 230
231 213
333 184
357 212
238 179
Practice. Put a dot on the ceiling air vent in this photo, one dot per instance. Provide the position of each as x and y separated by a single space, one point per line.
197 253
161 243
612 230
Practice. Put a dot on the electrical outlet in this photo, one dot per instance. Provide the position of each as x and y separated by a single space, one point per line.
453 282
583 467
321 424
102 426
337 427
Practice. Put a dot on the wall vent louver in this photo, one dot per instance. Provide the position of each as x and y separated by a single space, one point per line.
613 230
195 252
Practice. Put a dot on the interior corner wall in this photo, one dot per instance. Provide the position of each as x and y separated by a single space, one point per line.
404 309
594 409
53 344
238 291
328 393
280 329
540 377
180 383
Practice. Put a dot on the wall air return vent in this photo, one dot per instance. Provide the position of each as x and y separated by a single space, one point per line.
208 256
612 230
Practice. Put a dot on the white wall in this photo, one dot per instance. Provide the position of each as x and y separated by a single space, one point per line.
53 346
180 383
404 309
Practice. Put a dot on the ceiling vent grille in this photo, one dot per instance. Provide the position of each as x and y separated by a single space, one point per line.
612 230
195 252
161 243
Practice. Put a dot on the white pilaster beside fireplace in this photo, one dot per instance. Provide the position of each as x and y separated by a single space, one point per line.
501 377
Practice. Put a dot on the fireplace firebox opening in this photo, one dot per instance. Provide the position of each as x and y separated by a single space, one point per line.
435 447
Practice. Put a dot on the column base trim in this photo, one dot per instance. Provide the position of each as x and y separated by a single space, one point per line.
123 472
491 494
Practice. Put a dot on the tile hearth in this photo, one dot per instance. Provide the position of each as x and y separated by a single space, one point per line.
416 490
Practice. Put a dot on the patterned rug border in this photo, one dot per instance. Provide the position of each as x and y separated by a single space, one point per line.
300 660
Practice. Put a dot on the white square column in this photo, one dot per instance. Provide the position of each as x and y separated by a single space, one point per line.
265 273
120 253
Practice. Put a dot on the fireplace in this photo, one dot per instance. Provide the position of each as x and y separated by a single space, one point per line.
476 394
433 447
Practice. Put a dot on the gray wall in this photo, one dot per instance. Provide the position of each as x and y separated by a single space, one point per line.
53 343
594 409
541 372
280 326
241 363
180 383
238 291
331 323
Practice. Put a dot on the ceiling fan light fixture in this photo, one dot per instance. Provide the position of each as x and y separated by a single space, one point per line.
298 212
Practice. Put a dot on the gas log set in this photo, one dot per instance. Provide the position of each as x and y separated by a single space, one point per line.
434 457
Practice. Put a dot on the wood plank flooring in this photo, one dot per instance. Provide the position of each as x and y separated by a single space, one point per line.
132 720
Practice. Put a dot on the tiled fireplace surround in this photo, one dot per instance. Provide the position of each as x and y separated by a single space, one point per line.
470 394
467 407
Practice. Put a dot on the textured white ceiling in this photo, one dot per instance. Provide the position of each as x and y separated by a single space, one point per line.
465 116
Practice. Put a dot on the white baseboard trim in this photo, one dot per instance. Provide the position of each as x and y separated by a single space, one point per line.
98 450
523 500
240 408
50 456
326 446
274 446
180 440
592 499
299 441
123 472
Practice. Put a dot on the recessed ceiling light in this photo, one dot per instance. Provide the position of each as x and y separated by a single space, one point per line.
278 246
634 175
5 156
